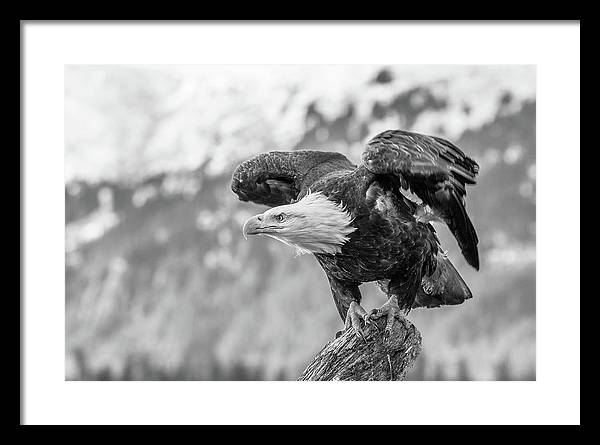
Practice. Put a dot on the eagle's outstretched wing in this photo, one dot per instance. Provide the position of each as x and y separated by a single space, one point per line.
277 177
436 171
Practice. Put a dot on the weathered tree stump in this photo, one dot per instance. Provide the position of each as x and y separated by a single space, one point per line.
349 357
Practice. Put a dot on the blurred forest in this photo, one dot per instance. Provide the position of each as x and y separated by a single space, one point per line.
160 283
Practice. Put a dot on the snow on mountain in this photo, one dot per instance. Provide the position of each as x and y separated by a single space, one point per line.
127 122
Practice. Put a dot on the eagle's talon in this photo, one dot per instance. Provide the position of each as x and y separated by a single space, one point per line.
353 317
361 334
377 312
390 308
370 322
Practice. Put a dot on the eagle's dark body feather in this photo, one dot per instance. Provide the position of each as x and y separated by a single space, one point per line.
391 244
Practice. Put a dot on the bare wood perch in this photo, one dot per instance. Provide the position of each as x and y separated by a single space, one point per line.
349 357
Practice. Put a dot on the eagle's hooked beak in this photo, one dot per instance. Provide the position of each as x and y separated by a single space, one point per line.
253 226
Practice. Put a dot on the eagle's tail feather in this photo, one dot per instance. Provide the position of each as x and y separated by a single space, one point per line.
444 287
461 226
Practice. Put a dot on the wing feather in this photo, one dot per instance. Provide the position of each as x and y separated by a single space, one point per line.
277 177
436 170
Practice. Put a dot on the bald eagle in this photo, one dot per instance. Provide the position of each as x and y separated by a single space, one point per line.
370 222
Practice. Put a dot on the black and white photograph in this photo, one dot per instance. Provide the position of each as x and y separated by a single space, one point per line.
228 222
260 213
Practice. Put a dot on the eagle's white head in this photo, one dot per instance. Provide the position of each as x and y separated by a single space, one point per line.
314 224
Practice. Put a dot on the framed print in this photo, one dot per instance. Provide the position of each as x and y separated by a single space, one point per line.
217 210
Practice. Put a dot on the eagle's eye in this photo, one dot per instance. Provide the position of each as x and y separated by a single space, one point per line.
279 217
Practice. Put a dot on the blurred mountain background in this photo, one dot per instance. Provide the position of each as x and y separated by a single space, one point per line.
161 285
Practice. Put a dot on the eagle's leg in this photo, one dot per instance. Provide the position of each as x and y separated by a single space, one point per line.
346 296
355 314
390 309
